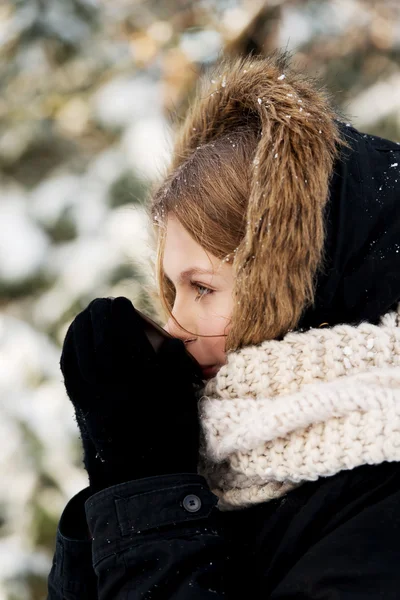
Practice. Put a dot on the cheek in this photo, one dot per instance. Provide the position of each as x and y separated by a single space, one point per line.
213 320
219 326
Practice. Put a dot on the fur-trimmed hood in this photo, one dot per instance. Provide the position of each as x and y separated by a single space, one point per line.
292 167
324 208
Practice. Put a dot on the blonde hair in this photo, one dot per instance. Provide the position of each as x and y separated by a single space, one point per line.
228 189
208 194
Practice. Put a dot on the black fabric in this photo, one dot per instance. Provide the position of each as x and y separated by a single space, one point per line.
361 276
142 508
336 539
72 574
136 409
333 539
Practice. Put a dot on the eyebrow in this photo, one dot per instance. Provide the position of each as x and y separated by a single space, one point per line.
187 274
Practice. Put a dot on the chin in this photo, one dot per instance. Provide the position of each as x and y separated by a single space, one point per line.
210 372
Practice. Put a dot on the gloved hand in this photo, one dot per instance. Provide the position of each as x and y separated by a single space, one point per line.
136 409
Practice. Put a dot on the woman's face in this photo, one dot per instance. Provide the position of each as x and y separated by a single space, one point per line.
203 300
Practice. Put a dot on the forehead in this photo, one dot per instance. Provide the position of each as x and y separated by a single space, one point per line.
182 252
179 244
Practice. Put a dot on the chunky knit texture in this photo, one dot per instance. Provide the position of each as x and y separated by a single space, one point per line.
284 412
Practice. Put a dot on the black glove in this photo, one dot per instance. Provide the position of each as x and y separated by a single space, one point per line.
136 409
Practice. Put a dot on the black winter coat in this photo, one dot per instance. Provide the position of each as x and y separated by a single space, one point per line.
337 538
163 537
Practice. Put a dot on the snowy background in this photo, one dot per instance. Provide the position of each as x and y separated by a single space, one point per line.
88 89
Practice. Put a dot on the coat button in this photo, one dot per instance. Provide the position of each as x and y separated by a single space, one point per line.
191 503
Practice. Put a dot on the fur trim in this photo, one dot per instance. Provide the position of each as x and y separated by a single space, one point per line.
310 406
298 143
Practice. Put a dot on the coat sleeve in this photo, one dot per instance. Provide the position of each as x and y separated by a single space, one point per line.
72 576
358 555
157 537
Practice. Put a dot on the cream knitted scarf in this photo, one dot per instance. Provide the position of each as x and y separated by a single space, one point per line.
285 412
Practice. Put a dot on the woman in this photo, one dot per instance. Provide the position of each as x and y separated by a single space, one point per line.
278 262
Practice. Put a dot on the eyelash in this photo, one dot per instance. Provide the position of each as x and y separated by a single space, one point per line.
203 287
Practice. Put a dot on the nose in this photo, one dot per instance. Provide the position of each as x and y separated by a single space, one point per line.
176 331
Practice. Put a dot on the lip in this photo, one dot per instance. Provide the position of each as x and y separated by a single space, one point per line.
209 371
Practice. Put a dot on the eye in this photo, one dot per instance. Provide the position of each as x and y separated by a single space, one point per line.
202 290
